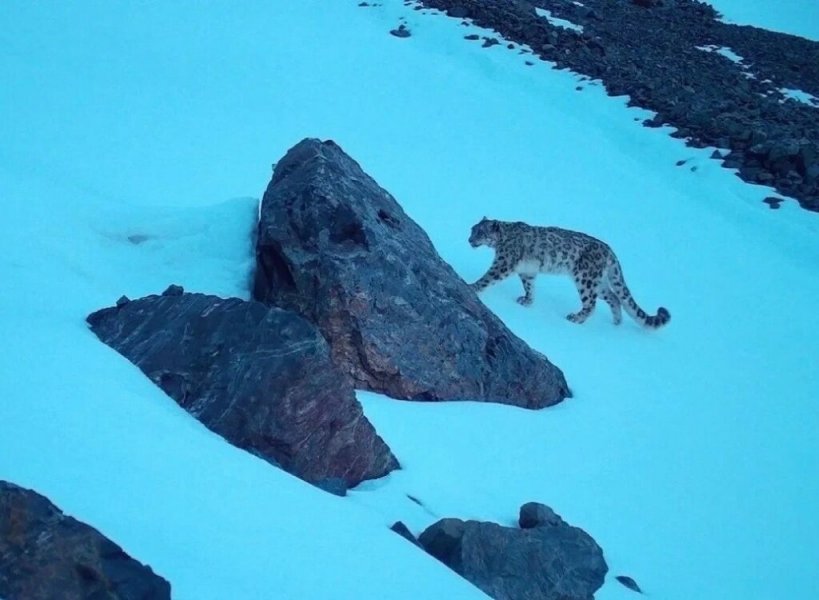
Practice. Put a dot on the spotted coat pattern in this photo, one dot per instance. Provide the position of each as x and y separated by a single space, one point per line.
528 250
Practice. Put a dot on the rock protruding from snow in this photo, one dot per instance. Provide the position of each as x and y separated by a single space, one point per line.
550 561
259 376
46 555
535 514
338 249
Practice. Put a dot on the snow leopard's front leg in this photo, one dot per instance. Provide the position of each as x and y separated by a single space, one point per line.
499 269
528 289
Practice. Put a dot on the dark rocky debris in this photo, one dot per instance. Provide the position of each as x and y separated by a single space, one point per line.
337 249
650 51
259 376
549 561
46 555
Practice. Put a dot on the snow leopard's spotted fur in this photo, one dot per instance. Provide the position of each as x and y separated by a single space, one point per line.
528 250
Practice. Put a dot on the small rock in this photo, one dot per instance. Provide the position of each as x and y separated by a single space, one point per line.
122 301
680 163
173 290
535 514
783 150
401 32
773 202
472 37
138 238
402 530
458 12
716 154
764 176
489 42
629 583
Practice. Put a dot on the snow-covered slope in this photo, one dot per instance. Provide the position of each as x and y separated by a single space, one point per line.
690 453
797 17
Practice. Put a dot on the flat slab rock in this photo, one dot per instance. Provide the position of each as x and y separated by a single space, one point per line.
259 376
338 249
46 555
546 559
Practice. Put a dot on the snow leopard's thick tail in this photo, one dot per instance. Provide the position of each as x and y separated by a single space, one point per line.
618 285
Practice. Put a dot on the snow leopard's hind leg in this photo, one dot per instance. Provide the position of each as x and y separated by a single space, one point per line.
589 282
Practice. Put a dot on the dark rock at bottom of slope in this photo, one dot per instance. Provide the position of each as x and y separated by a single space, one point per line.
550 560
259 376
46 555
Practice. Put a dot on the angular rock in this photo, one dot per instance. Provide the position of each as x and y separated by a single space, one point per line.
401 32
339 250
629 583
260 377
46 555
554 561
535 514
401 529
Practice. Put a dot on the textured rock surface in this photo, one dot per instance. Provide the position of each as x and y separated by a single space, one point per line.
552 561
261 377
652 50
339 250
46 555
535 514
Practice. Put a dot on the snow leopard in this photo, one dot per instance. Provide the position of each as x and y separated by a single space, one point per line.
528 250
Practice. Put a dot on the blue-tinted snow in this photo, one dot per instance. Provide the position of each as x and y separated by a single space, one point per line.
135 140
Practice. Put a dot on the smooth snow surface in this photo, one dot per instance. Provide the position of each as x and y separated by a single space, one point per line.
136 139
797 17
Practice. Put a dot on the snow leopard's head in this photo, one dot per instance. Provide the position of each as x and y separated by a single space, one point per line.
485 233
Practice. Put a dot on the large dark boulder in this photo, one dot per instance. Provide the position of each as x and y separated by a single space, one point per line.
550 560
259 376
46 555
339 250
